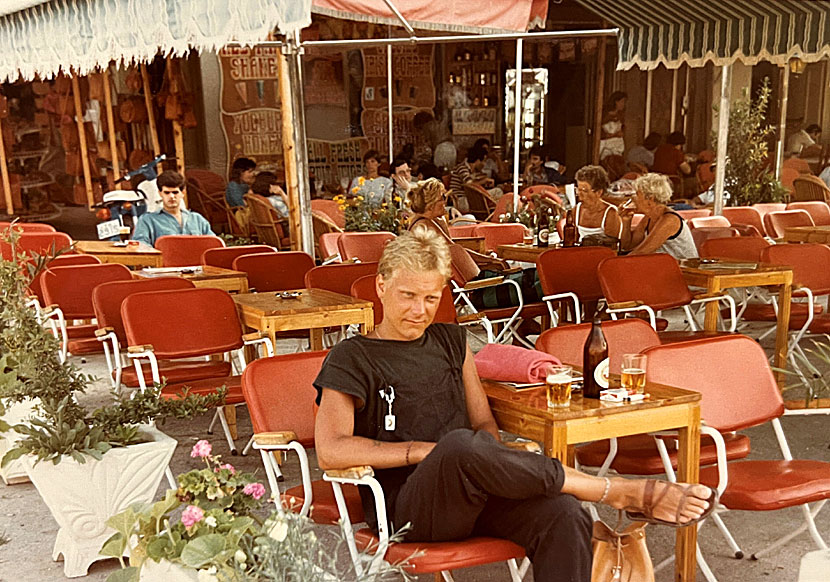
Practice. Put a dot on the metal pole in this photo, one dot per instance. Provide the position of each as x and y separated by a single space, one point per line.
389 98
686 101
782 124
673 99
399 16
517 123
649 79
723 135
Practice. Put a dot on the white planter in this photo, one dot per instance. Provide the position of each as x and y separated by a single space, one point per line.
82 497
16 413
165 571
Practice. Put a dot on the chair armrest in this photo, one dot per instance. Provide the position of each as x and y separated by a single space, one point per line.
265 439
140 349
103 332
49 310
625 305
254 336
527 446
708 296
478 316
351 473
512 270
482 283
257 338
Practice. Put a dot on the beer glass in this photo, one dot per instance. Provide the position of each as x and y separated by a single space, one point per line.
634 373
124 233
558 386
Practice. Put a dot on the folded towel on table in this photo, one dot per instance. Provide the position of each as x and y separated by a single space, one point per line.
513 364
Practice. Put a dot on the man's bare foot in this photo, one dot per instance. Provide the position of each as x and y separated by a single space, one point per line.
660 501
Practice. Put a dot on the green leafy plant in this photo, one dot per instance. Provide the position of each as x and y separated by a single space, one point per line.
234 240
30 370
749 178
532 211
362 216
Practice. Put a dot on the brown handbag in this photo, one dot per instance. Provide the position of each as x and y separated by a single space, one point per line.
621 555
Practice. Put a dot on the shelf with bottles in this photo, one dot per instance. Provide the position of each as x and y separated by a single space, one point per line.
476 71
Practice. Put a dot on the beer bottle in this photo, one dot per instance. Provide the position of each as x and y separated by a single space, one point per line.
569 231
594 352
544 227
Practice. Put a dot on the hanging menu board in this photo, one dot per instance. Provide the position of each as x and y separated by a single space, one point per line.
323 81
249 104
474 121
335 162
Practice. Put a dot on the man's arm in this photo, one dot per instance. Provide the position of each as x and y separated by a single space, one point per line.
478 409
143 230
338 448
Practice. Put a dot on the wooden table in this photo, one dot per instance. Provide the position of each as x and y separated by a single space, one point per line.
807 234
526 414
140 255
209 276
474 243
314 310
521 252
717 277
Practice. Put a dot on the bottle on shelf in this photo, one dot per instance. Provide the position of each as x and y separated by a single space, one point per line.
594 352
569 231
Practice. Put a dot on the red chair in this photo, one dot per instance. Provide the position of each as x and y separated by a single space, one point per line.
364 288
70 288
776 223
704 233
365 246
745 215
818 211
739 248
696 213
183 250
651 283
172 325
331 209
739 391
106 301
223 256
545 190
764 208
572 273
788 176
35 286
709 221
503 206
27 226
500 234
40 243
462 230
275 271
338 277
328 244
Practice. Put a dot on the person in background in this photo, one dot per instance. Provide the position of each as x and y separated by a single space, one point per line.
643 154
535 173
401 177
371 185
593 215
494 166
439 147
669 158
662 230
803 142
239 183
171 218
267 185
465 173
612 131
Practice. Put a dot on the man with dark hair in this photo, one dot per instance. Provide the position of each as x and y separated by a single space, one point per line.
643 155
669 158
804 143
465 173
171 218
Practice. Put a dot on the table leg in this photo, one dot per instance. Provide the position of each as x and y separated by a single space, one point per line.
556 442
315 339
710 321
783 329
368 324
230 417
688 467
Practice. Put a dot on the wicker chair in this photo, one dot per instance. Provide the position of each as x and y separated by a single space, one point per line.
265 222
206 195
810 188
322 224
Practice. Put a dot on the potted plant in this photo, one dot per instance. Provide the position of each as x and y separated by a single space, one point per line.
221 534
361 216
86 465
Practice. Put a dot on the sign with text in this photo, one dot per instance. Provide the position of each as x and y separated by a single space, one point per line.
412 77
474 121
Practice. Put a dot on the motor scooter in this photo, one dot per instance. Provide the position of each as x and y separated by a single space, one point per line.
120 209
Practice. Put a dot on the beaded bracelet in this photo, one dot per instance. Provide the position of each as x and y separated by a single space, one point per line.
409 446
607 489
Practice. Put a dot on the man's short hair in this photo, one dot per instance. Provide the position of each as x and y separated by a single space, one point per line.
654 187
536 150
419 250
652 140
170 179
595 176
475 154
676 138
813 128
263 182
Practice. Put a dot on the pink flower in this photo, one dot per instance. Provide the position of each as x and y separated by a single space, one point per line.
201 449
192 515
227 466
255 490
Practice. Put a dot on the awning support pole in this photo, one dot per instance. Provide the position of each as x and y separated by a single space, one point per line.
517 123
151 116
782 123
723 136
178 135
4 170
389 104
79 121
649 80
116 162
673 99
295 149
598 102
686 101
399 16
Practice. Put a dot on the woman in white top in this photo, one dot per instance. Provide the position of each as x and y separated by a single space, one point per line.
372 186
592 214
662 230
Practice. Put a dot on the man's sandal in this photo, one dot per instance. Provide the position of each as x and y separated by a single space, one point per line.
650 503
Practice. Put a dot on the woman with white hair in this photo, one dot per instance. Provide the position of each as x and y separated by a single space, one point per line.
662 230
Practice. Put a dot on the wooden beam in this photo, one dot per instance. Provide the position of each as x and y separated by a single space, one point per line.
116 163
4 169
79 121
600 98
292 178
178 136
151 118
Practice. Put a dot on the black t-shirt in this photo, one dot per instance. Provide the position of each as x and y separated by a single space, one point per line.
429 402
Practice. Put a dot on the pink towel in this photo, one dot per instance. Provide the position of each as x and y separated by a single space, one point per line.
513 364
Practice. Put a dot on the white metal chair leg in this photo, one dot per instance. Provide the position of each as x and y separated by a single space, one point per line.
213 421
730 540
248 446
447 576
809 524
226 429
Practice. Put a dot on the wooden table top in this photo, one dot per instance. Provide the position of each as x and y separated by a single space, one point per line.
533 402
727 267
207 272
310 301
105 247
818 234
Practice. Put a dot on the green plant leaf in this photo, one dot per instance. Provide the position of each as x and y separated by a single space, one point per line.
128 574
123 522
114 547
202 550
11 455
158 548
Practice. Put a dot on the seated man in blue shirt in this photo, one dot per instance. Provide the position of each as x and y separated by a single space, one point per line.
170 218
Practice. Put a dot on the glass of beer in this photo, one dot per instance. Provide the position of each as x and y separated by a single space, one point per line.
124 233
634 373
558 386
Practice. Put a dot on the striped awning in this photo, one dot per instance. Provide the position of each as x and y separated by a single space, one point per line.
673 32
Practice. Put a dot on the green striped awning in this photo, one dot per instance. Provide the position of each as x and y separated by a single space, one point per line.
673 32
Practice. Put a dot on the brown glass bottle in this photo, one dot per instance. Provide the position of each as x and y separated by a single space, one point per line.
594 352
569 230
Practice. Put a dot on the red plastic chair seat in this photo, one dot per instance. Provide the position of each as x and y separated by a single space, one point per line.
84 331
80 346
443 556
178 372
208 386
637 455
796 482
323 504
821 324
766 312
